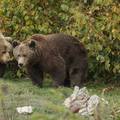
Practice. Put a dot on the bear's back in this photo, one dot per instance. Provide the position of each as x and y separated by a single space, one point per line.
68 46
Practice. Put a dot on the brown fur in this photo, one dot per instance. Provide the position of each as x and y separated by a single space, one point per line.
62 56
5 56
5 49
72 51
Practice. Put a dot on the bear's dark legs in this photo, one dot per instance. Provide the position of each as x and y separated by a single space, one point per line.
2 69
58 77
58 80
76 77
78 71
36 75
67 79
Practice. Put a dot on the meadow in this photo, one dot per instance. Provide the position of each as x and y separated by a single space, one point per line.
47 102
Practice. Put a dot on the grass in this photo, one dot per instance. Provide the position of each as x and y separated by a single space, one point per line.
47 102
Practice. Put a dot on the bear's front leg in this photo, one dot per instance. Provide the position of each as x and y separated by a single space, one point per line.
36 75
2 69
58 76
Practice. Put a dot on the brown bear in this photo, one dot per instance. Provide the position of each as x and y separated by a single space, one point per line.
5 50
63 56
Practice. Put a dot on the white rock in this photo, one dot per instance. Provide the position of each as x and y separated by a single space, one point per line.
83 111
80 101
67 102
92 104
24 110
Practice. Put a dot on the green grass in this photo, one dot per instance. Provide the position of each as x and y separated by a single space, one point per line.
47 102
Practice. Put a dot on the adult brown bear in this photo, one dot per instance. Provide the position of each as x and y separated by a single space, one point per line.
63 56
5 50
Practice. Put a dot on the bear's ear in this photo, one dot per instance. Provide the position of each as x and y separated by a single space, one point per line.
32 44
15 43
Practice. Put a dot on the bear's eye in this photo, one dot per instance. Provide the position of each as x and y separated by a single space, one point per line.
18 55
24 55
3 52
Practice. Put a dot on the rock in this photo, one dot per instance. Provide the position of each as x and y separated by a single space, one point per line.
24 110
81 102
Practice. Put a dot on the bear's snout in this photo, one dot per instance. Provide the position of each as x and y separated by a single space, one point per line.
21 62
20 65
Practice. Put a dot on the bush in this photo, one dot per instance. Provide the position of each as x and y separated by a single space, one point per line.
95 22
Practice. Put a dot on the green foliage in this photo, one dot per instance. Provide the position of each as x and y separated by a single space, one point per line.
97 24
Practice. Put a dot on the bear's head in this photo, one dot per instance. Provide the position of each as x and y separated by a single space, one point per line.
24 52
5 49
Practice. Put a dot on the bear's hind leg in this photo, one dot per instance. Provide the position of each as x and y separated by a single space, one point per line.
77 77
67 79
